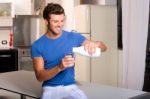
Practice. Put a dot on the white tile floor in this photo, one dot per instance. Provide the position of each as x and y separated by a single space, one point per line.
9 95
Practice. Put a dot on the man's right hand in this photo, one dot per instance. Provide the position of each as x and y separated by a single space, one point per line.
67 61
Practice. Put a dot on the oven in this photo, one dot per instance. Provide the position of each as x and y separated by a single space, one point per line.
8 60
24 59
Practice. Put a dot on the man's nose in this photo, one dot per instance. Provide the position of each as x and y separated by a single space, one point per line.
60 24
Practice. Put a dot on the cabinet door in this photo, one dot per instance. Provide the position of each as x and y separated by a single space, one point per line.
104 28
82 67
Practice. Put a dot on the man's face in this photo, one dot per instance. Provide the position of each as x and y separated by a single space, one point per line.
56 23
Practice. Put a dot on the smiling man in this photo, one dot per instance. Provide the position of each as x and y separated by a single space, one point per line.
53 63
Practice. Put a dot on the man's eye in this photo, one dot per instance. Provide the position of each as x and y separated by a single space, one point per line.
55 21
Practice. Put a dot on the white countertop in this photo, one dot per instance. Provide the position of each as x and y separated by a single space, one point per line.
24 82
97 91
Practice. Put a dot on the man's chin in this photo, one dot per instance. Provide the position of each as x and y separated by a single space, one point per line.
56 33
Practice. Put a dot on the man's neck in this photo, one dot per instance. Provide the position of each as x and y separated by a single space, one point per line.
53 36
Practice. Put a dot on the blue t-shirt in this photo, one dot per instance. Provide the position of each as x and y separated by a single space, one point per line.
53 50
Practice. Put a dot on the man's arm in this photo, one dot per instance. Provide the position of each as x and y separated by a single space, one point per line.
90 46
42 74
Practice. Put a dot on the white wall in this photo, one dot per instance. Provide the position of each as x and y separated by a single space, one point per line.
4 36
54 1
135 30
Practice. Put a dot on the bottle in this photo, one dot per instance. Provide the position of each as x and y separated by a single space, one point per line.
80 50
10 40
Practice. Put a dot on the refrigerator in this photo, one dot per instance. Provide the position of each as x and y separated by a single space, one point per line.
98 23
26 29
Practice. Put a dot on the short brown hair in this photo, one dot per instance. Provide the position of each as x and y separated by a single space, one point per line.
52 8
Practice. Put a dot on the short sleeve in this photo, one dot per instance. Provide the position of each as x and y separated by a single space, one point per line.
35 51
80 39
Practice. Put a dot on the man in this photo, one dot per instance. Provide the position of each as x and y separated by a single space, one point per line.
52 64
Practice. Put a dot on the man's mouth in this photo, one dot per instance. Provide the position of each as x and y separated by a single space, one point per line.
58 28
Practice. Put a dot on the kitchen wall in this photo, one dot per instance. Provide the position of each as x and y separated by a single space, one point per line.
4 38
54 1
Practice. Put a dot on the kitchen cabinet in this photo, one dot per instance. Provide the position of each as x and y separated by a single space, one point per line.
6 13
23 7
5 9
104 28
8 60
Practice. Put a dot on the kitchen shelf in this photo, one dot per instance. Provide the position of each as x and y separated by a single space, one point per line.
6 10
5 27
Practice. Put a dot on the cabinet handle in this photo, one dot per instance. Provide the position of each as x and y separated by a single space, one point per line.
5 56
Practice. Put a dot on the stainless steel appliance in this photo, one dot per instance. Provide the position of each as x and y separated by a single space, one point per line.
24 59
26 29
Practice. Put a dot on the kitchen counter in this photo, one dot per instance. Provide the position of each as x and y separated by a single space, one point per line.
8 48
97 91
25 84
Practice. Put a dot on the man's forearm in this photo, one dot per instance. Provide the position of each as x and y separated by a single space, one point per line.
44 75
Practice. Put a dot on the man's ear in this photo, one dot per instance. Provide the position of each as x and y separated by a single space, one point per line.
46 22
